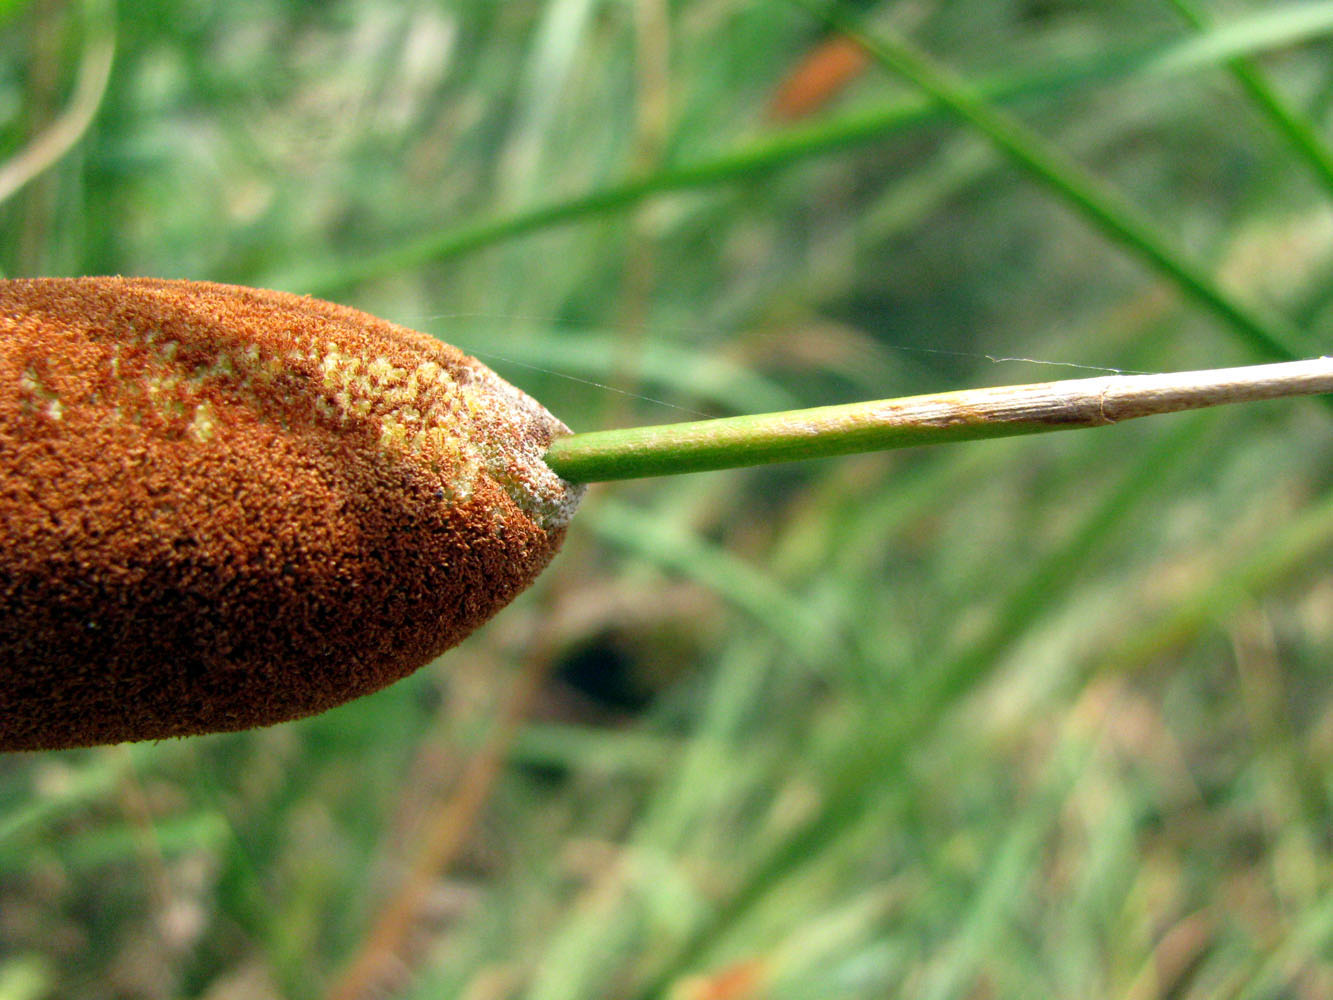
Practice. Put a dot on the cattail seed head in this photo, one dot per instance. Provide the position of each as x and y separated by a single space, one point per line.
223 508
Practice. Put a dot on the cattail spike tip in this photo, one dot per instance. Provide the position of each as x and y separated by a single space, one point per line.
223 507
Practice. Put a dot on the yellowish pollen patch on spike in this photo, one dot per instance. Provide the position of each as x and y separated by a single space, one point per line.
203 425
421 411
37 397
456 425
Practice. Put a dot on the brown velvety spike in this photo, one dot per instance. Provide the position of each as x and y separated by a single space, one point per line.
223 508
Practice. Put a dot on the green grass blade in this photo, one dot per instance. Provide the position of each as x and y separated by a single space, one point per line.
802 143
1105 209
1287 120
861 782
1288 549
671 547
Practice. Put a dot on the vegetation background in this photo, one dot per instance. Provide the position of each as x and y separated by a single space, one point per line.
1042 717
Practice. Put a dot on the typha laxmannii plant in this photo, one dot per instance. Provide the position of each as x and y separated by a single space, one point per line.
223 508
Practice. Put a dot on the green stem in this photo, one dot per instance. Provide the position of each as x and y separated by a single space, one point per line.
970 414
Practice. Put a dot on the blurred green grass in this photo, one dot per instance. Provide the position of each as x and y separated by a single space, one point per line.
1037 717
